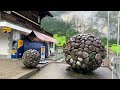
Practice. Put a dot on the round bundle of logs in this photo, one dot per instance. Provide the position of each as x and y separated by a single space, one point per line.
31 58
84 52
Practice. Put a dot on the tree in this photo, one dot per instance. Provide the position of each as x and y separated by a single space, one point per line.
103 16
57 26
93 31
58 13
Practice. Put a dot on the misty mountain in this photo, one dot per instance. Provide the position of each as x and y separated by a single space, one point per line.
58 13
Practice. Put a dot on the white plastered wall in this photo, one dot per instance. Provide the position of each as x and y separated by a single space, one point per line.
4 41
53 48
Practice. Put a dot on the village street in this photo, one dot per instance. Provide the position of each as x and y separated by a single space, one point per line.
58 71
55 44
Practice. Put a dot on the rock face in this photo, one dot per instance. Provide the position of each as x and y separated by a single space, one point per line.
84 52
31 58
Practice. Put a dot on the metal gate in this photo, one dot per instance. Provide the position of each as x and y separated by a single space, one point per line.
116 67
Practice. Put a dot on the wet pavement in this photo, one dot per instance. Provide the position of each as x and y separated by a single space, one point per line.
14 68
10 68
58 71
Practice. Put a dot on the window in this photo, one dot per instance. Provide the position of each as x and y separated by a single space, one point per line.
51 45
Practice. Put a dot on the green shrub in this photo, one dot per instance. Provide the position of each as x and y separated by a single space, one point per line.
114 48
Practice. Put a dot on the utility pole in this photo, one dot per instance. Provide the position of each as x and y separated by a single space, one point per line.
65 27
77 25
118 33
108 36
81 25
65 30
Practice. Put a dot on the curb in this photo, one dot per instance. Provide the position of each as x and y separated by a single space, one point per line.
54 59
58 58
26 75
110 68
32 72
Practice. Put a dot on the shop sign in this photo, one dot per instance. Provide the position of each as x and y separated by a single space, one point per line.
6 30
20 43
13 52
42 52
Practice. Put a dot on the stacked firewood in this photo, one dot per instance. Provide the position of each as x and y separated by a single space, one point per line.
31 58
84 52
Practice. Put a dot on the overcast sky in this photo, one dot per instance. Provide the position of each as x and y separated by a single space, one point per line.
68 14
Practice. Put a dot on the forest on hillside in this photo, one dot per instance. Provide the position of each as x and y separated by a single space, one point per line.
56 26
96 23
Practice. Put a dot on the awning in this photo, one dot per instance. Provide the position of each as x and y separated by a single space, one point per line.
40 37
44 37
26 31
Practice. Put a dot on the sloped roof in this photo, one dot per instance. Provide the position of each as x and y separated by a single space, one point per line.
43 14
42 37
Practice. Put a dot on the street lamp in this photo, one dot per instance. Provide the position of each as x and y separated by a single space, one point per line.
77 25
118 32
108 35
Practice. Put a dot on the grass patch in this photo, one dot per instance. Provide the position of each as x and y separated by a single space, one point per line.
114 48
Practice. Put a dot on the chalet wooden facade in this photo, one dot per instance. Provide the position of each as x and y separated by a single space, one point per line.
28 19
21 23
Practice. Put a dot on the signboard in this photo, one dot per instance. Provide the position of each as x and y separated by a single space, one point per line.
42 55
13 52
42 52
20 43
6 30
